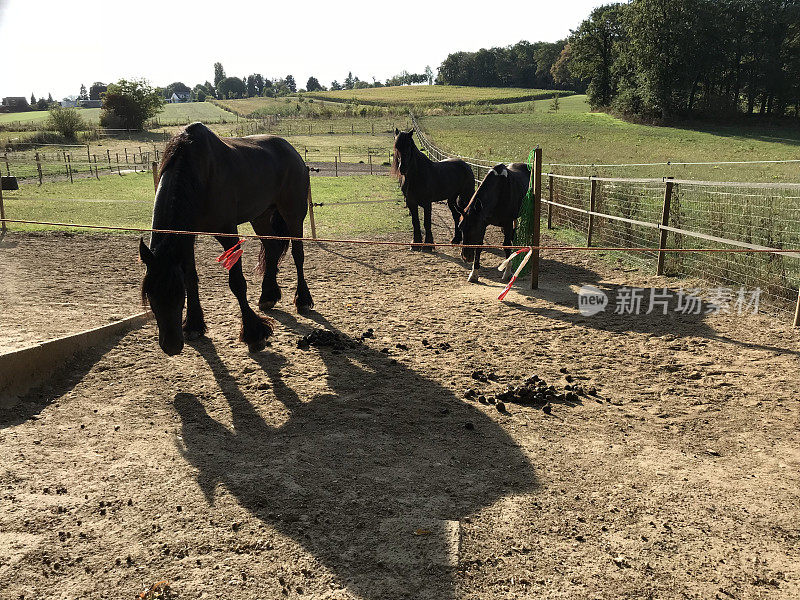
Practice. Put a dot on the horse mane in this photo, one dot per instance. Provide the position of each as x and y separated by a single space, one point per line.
395 168
475 197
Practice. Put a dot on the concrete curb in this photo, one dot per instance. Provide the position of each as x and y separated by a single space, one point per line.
22 369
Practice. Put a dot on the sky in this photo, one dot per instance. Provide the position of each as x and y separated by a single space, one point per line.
52 46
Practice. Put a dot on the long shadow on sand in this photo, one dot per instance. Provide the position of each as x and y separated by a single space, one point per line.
372 476
559 281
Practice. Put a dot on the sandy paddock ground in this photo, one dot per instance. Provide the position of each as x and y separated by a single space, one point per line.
358 469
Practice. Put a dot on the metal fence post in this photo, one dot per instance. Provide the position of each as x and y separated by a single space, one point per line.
662 242
537 216
550 181
592 200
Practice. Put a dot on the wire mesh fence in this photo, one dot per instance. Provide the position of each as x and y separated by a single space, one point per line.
628 213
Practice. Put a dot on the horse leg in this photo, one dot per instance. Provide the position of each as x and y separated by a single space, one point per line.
453 206
255 329
476 265
271 253
302 297
413 208
426 211
194 326
508 239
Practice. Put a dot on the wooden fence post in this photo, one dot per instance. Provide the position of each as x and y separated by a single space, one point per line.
69 168
39 167
108 155
662 242
311 216
537 216
88 155
126 155
8 170
3 227
336 167
796 310
155 175
369 156
550 181
592 204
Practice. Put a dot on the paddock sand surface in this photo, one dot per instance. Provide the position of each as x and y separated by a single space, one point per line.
351 472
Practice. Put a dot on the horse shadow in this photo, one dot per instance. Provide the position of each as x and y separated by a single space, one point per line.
371 476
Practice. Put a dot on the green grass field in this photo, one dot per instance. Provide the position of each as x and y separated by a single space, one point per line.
574 135
432 94
128 202
172 113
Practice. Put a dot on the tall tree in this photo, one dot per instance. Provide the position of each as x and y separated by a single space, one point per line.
313 85
83 94
219 74
595 48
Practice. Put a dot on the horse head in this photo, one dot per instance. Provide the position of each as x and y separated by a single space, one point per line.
163 289
404 151
475 217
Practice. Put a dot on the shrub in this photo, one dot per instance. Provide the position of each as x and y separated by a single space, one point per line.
65 121
128 104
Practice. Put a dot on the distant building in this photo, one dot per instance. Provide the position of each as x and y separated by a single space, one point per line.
90 103
16 104
69 103
179 97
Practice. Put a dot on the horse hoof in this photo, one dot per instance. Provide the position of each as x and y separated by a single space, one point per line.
429 249
473 277
416 248
193 335
266 305
257 346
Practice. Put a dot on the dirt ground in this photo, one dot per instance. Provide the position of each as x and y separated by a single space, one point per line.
360 470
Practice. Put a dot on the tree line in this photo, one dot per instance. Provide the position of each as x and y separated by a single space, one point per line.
659 59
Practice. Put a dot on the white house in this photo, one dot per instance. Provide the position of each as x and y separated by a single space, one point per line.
179 97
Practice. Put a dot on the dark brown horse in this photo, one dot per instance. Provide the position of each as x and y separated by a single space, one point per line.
424 181
497 201
213 184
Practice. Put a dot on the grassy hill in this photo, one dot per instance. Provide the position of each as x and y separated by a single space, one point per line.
574 134
406 95
172 113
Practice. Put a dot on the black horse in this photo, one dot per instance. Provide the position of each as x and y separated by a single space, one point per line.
424 181
497 201
211 184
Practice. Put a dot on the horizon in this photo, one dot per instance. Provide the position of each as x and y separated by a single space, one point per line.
91 42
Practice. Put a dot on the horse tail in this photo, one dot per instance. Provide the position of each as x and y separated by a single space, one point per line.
279 228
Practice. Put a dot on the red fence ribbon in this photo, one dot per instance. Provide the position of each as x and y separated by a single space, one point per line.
232 255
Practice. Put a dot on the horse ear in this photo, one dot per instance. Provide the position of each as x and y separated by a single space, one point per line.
145 254
411 131
396 131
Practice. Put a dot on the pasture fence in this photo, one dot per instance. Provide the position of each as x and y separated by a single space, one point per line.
657 215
